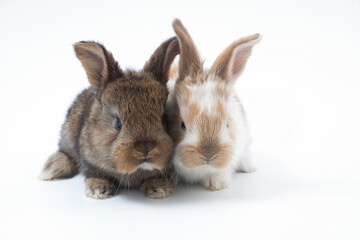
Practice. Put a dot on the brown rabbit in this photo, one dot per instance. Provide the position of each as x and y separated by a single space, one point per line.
115 131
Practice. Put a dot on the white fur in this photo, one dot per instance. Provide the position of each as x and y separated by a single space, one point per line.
205 95
146 166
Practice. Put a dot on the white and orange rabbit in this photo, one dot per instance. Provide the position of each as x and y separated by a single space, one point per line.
207 121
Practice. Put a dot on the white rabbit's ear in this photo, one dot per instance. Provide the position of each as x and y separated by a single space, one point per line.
231 62
189 63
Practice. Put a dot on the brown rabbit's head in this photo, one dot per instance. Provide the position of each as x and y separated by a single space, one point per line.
128 128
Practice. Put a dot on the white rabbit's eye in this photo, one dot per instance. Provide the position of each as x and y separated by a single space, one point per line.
227 124
183 125
118 124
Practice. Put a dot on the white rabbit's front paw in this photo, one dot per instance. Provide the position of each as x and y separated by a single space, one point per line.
246 165
216 183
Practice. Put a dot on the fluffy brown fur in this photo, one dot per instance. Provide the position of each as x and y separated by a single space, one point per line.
91 139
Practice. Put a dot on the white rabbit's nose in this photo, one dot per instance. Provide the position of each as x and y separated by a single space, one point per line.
208 152
208 159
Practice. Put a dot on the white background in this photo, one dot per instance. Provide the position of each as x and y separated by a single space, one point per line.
301 91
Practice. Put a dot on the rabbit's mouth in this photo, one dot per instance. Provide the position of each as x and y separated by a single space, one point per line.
193 157
129 158
208 160
147 166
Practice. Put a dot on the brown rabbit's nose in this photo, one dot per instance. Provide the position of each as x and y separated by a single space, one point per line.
145 157
145 148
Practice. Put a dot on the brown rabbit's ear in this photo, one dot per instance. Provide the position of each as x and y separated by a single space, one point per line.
231 62
99 64
189 64
161 60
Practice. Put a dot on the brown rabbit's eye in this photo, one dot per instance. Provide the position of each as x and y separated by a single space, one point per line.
183 125
118 124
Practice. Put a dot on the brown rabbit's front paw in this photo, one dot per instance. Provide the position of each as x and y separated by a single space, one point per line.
99 188
157 188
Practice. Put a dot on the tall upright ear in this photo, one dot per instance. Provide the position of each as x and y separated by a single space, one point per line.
161 60
99 64
231 62
189 64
